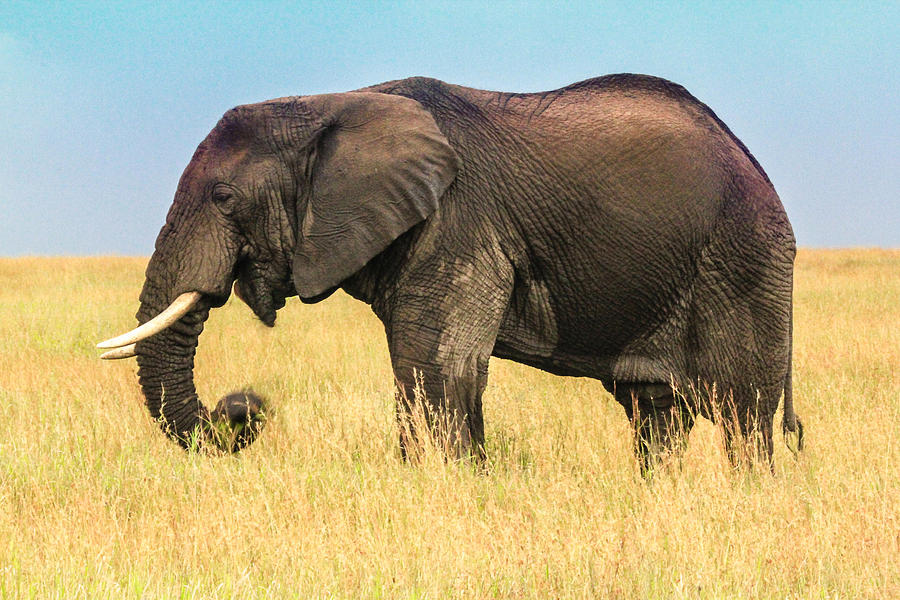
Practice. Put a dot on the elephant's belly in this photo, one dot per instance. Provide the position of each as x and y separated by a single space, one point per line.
583 319
530 335
609 369
581 343
556 363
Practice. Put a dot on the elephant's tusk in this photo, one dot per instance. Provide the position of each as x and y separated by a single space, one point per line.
117 353
179 307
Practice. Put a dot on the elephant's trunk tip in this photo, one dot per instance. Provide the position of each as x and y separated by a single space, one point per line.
237 420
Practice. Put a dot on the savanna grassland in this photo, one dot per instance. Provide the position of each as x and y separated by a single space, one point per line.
95 502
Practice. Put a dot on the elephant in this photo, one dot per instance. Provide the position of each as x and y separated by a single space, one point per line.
614 229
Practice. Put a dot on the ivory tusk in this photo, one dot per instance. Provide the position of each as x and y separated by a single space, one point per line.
179 307
117 353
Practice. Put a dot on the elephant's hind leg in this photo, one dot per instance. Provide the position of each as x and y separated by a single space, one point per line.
661 419
739 340
747 426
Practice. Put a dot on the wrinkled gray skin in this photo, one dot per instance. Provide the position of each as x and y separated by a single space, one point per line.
613 229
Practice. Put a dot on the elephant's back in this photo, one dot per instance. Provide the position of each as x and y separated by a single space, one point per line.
623 102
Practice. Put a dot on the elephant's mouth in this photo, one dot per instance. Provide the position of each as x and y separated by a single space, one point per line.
258 291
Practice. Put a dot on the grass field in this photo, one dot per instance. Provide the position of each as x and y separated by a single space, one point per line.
95 502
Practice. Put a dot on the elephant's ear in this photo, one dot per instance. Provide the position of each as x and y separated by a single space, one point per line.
379 165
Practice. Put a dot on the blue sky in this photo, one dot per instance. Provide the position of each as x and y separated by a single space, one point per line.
102 104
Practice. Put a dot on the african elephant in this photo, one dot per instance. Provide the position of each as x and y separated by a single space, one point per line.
614 229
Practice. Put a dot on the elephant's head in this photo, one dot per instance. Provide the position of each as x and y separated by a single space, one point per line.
285 197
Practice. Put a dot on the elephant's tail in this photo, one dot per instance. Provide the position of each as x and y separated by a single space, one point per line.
790 422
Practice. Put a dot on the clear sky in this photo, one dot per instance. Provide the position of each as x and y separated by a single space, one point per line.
102 104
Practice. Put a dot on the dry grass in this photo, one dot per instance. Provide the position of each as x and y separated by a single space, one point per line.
94 502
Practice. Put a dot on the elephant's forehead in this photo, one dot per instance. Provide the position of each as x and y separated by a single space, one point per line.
217 159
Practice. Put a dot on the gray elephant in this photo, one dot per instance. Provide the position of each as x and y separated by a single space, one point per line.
613 229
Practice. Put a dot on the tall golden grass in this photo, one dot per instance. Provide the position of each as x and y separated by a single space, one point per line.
94 502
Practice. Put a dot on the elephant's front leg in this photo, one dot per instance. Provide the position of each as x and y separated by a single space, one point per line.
440 344
441 405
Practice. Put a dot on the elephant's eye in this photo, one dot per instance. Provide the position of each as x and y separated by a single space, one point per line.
222 196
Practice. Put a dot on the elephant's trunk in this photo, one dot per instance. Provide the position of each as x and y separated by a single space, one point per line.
166 373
